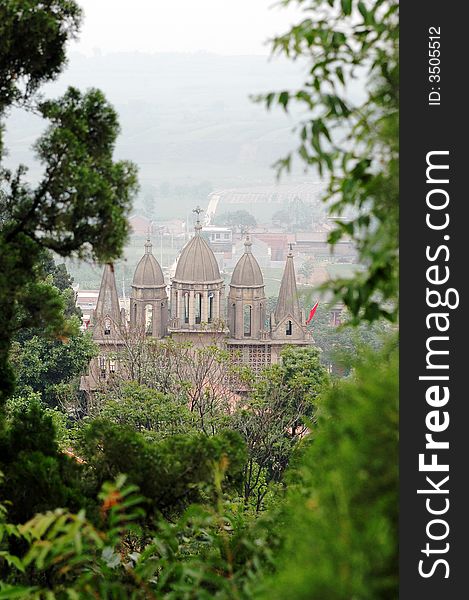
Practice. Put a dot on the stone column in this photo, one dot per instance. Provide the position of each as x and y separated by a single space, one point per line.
222 304
230 317
239 334
216 305
180 308
155 319
140 316
262 314
204 315
191 309
255 319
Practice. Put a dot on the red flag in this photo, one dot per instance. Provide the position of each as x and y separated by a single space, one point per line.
311 312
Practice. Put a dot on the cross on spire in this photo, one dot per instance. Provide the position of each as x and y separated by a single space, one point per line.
148 242
198 210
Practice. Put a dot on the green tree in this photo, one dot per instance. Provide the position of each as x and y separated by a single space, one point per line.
196 376
42 365
145 410
241 220
58 276
297 216
32 48
171 473
37 474
354 142
80 204
340 344
209 552
307 268
276 415
340 527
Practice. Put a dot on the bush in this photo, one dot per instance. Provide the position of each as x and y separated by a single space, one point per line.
342 509
37 475
171 473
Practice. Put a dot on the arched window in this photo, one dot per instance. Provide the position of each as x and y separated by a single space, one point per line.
112 366
233 317
102 367
186 308
149 319
107 326
198 308
247 320
210 306
289 328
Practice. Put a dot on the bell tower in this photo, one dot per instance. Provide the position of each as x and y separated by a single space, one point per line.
108 325
148 299
246 298
197 291
288 321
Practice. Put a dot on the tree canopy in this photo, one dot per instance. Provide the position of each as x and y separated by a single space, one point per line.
354 142
80 205
241 220
295 480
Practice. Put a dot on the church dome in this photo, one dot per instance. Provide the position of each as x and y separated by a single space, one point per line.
148 272
197 263
247 272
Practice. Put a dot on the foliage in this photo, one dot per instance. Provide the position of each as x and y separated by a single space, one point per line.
67 556
208 552
32 45
171 473
80 203
333 538
62 280
355 142
238 220
145 410
341 343
199 376
42 365
307 268
276 415
38 475
342 506
297 216
334 533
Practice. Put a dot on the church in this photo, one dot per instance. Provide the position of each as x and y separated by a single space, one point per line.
198 310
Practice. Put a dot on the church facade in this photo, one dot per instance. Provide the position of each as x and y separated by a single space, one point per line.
198 309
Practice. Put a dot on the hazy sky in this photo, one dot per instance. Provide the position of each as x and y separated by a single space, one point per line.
220 26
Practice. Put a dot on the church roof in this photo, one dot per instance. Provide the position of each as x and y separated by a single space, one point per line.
288 304
148 272
197 262
247 272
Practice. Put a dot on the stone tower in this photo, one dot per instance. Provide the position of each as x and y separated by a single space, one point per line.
108 322
197 290
148 299
246 299
107 317
249 343
288 321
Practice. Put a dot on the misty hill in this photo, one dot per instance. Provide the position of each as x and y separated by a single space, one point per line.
186 118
